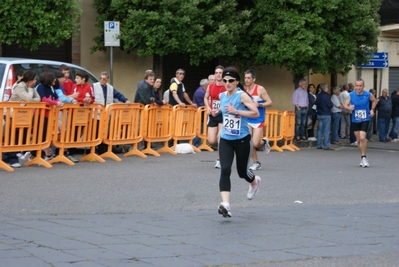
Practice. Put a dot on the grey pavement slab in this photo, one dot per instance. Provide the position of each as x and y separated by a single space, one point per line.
315 208
251 236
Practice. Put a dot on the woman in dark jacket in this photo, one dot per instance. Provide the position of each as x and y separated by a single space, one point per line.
312 115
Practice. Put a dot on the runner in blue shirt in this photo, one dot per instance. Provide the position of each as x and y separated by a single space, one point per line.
358 102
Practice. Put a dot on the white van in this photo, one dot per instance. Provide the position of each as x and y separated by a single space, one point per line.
8 67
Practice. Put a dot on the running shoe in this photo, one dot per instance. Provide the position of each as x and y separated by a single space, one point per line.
217 165
16 165
253 191
364 162
48 158
224 209
24 155
73 159
255 166
266 145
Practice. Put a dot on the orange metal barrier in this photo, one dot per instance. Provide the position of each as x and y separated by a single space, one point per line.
122 126
23 129
157 127
288 129
202 128
79 128
184 119
273 122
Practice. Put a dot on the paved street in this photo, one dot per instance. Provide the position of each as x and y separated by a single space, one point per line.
314 208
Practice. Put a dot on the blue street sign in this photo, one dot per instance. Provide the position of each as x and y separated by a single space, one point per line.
378 60
379 55
378 64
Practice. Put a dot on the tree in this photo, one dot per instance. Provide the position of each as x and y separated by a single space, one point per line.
325 36
31 23
202 29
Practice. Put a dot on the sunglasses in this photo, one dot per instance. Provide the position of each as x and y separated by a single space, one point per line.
181 73
229 80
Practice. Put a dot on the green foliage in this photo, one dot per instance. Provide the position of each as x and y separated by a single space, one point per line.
31 23
198 28
324 36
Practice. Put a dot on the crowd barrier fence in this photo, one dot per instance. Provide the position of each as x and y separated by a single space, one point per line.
273 124
157 127
288 126
202 128
77 126
184 127
23 129
122 127
74 126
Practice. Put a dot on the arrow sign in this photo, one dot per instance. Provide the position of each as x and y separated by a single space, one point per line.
378 60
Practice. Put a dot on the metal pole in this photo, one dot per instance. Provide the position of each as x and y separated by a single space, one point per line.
111 71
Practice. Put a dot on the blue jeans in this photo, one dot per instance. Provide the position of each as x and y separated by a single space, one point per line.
370 129
300 122
394 131
383 126
197 141
10 157
335 120
312 113
323 130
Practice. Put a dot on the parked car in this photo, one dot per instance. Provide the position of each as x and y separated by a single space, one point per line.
8 67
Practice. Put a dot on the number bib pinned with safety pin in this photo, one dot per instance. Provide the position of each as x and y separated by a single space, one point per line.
360 114
232 124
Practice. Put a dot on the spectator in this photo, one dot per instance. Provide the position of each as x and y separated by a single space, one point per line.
145 92
301 104
23 91
395 116
370 126
68 84
85 96
345 114
324 105
199 94
157 86
211 78
84 90
177 91
104 94
198 99
48 95
312 113
384 108
335 115
59 90
166 96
